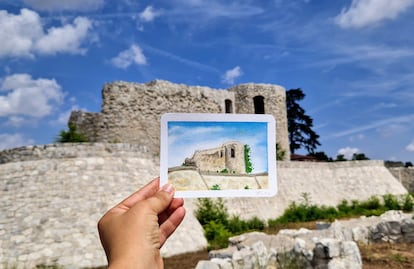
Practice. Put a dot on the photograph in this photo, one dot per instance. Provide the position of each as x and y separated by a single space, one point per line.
218 155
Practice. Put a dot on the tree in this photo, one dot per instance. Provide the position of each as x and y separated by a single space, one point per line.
299 124
71 136
340 158
247 160
321 156
359 157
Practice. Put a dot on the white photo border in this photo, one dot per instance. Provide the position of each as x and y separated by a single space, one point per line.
206 117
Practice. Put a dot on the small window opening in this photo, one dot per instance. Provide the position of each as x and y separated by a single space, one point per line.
259 105
232 153
228 105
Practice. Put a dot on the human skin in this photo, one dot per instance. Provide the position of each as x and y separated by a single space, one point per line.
133 231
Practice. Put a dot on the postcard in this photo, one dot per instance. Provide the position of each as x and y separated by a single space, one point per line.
218 155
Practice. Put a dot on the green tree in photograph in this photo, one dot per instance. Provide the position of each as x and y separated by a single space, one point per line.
247 160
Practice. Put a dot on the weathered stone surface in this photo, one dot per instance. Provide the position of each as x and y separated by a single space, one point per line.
405 175
131 112
51 197
315 249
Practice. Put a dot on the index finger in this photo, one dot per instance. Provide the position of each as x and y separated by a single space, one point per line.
145 192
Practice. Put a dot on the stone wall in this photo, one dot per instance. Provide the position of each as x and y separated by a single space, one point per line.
405 175
131 112
229 156
52 196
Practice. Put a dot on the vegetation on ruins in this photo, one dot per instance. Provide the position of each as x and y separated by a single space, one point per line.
219 226
247 159
374 206
71 135
280 152
299 124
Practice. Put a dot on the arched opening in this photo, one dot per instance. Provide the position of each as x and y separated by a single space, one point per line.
229 106
258 104
232 153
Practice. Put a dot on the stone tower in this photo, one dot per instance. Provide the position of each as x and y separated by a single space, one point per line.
264 99
131 112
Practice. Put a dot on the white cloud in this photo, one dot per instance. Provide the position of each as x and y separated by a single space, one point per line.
125 58
232 74
410 147
8 141
23 35
148 14
19 33
348 152
365 12
53 5
22 95
65 39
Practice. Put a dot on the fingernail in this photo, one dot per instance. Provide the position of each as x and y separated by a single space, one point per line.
168 188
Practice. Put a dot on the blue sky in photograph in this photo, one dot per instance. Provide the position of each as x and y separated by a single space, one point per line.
352 58
185 137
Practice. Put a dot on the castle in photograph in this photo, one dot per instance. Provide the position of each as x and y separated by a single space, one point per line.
131 112
228 157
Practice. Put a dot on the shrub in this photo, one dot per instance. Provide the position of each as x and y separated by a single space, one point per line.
71 136
391 202
216 187
408 203
210 210
218 226
216 234
371 203
255 224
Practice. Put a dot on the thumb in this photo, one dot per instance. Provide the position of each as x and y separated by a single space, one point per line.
161 199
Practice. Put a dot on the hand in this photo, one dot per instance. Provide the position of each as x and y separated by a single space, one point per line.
133 232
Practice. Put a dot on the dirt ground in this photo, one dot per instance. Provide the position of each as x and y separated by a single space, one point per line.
375 256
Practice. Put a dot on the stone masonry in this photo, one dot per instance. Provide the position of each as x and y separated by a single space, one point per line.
229 156
131 112
52 196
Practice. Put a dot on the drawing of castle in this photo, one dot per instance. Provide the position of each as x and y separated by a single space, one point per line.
228 157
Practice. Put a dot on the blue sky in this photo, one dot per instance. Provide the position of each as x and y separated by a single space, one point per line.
352 58
184 138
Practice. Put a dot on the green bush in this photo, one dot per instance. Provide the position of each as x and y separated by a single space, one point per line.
391 202
216 187
210 210
408 203
219 226
305 211
217 235
372 203
71 135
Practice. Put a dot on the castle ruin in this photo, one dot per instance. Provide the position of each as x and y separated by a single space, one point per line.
131 112
228 157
